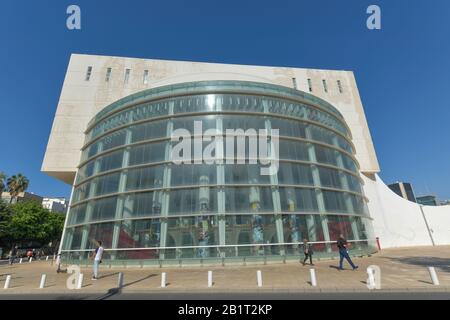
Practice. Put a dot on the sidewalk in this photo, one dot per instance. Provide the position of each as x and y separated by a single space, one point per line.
402 269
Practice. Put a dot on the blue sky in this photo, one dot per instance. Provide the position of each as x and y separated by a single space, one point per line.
403 70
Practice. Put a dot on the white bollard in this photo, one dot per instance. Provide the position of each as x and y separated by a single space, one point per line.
20 261
210 279
433 276
7 282
312 273
80 281
42 284
163 280
370 278
46 259
259 278
31 259
120 280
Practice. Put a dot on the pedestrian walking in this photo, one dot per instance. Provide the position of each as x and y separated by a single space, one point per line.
97 259
342 245
307 251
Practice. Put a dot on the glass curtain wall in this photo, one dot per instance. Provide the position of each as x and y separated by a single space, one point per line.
132 196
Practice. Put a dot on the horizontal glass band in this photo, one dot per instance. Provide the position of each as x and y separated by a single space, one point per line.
201 231
112 159
222 214
218 186
201 115
116 140
212 87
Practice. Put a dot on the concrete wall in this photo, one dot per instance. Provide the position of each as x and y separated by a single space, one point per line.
439 223
80 100
399 222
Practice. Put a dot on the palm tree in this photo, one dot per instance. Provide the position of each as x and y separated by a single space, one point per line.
2 183
17 184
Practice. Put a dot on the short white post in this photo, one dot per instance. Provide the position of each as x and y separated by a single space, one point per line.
433 276
42 284
54 256
7 282
31 259
20 261
259 278
163 280
120 280
210 279
312 274
370 278
80 281
46 259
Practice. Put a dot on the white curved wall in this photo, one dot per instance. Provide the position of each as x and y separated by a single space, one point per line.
439 223
399 222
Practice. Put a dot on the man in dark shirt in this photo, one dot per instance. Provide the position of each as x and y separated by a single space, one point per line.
343 253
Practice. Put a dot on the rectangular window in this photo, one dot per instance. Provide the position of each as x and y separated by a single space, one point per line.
340 86
108 74
325 87
309 85
127 75
294 83
145 80
88 73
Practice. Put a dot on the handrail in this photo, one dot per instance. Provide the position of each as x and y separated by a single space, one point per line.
220 246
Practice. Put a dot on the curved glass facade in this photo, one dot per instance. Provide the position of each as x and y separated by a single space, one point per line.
129 194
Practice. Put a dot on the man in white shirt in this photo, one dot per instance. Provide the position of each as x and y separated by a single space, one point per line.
97 259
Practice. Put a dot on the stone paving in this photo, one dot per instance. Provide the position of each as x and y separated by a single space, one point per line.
402 269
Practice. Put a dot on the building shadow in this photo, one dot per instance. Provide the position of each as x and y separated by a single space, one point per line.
108 275
140 280
115 291
441 264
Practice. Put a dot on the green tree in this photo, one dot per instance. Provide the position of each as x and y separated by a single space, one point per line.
30 222
17 184
2 183
5 218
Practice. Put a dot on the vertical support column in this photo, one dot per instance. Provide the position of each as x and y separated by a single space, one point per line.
90 206
121 198
67 243
346 186
220 183
166 185
318 191
274 188
310 225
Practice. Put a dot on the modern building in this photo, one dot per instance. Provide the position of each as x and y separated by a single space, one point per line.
56 204
112 141
428 200
404 190
21 197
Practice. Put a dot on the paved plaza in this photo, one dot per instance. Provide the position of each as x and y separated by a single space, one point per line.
402 270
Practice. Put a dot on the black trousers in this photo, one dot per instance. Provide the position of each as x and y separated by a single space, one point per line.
306 258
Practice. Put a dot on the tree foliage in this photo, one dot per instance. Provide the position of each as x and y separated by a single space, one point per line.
28 222
17 184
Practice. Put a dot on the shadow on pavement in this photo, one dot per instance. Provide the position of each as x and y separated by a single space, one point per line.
442 264
108 275
139 280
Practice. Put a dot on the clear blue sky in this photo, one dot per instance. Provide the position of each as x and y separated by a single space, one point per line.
403 71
